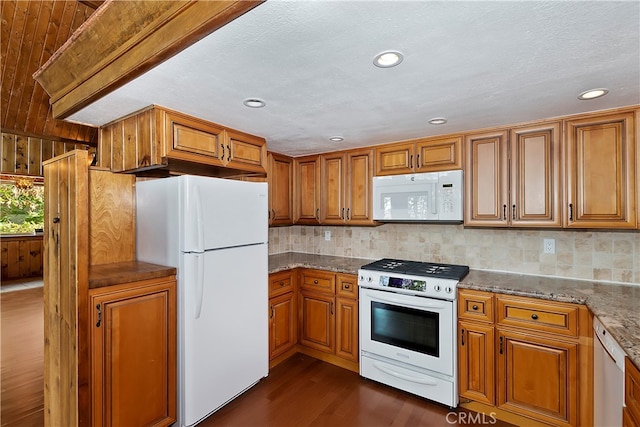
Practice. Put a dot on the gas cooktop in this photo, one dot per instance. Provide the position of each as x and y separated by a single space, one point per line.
416 268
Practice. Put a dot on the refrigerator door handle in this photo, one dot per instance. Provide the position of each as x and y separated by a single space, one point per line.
199 283
199 221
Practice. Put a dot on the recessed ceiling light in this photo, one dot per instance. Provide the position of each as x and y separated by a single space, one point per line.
336 139
254 103
593 93
438 121
387 59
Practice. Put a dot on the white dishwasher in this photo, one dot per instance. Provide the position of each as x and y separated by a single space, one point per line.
608 378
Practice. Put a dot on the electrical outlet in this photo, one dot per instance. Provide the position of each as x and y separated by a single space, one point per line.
327 235
549 246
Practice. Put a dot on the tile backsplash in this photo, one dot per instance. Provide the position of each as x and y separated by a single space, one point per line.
612 256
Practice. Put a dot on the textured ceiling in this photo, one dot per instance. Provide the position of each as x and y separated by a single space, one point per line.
479 64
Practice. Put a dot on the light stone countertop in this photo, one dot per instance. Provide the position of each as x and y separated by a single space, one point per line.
617 306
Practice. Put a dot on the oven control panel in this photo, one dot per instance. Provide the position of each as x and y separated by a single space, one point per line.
402 283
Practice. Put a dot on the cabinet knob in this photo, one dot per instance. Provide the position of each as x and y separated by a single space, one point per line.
56 219
281 283
534 316
315 282
346 286
475 307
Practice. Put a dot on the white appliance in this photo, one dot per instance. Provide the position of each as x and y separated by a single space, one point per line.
608 378
408 318
215 232
427 197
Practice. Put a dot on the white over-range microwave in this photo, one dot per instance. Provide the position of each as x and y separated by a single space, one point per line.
427 197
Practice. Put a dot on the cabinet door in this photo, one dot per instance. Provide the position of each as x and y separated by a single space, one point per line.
307 194
282 322
601 175
280 178
133 355
535 176
244 152
189 136
332 184
317 326
476 362
485 176
395 159
347 328
358 187
538 377
439 154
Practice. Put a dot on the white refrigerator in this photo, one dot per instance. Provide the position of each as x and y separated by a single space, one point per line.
215 232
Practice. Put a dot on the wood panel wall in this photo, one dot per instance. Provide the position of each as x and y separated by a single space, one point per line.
23 155
66 282
21 257
31 32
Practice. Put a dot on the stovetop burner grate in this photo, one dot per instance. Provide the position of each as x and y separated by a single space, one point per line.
416 268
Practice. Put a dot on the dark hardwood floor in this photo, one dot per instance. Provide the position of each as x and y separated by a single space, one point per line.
300 392
303 391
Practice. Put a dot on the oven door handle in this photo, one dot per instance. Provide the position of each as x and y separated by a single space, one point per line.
434 305
425 381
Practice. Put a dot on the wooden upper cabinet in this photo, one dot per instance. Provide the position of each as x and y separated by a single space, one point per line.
601 172
245 152
346 187
423 155
486 179
280 179
535 180
513 178
160 138
307 190
332 187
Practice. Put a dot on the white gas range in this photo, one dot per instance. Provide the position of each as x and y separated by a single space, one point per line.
408 318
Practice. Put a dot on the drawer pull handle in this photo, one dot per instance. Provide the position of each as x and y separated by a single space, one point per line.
346 286
534 316
281 283
475 307
315 282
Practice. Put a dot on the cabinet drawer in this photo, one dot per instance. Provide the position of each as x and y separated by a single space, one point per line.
475 305
280 283
632 389
318 281
347 285
547 316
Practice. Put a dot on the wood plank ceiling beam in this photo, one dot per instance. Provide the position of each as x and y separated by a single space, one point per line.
123 40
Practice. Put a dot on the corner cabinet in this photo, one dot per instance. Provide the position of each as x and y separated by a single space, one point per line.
280 179
282 313
513 178
601 171
133 353
422 155
527 356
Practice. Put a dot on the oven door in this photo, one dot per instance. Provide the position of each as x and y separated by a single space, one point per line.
409 329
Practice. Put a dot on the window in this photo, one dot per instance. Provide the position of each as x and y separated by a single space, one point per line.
21 204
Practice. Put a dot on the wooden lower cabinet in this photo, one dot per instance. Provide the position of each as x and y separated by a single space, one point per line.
476 358
526 356
317 315
133 353
282 322
538 377
631 412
